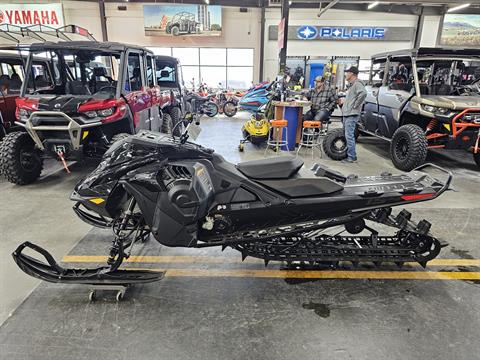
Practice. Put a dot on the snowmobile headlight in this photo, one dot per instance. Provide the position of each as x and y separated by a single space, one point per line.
258 124
435 109
91 114
106 112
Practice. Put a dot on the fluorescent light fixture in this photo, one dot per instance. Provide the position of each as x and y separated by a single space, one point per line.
290 2
373 4
207 2
459 7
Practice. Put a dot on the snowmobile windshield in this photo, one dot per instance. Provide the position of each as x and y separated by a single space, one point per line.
78 72
449 76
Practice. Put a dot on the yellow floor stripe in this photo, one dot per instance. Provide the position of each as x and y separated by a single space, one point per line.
232 259
314 274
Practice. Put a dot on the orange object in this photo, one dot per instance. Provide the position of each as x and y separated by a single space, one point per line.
312 124
278 123
458 127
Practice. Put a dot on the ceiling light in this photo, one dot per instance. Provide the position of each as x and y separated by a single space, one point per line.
290 2
459 7
372 5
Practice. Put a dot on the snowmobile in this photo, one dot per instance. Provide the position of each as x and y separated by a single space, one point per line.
186 195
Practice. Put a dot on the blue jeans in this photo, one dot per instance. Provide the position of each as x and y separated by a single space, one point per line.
349 125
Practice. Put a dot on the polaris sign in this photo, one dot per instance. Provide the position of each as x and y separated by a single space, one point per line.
349 33
307 32
345 33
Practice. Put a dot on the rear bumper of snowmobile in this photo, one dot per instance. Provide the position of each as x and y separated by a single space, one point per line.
51 271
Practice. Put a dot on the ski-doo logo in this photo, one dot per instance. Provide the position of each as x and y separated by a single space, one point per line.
2 17
352 33
307 32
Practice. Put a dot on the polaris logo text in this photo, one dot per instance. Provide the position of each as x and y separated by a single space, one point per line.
351 33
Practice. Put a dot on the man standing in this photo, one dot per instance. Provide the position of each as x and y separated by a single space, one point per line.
351 109
323 101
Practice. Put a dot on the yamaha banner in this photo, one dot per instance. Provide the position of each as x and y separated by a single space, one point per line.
32 14
351 33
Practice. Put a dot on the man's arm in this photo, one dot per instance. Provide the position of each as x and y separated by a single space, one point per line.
361 95
332 101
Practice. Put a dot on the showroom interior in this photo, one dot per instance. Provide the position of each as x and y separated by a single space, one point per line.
239 179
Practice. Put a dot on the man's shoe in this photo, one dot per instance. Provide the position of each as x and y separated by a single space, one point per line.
349 161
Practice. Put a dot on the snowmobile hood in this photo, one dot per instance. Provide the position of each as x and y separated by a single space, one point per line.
134 152
452 102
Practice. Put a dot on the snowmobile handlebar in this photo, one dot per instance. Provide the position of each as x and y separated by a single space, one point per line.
446 183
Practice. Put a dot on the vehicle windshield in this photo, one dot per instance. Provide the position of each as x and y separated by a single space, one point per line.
12 74
449 77
166 73
75 72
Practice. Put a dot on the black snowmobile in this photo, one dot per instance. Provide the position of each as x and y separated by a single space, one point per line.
187 195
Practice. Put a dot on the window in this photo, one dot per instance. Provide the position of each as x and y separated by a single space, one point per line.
133 78
150 67
377 73
212 57
400 75
225 67
166 72
187 56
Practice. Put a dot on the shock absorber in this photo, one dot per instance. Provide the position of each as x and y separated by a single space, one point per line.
431 125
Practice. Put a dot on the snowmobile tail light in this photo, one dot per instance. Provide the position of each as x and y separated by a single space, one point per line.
417 197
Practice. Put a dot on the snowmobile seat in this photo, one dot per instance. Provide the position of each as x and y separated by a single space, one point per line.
283 167
303 187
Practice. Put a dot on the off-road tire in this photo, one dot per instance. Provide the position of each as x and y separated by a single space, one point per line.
175 31
230 113
176 115
13 148
167 124
409 147
331 142
118 137
476 158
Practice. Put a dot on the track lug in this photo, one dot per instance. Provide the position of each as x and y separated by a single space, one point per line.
402 218
266 262
423 264
244 255
377 263
224 247
423 227
399 264
355 264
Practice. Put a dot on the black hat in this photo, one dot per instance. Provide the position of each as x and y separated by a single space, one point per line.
353 70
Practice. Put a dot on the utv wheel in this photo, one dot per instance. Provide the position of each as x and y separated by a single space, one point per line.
118 137
230 108
335 144
20 162
176 115
167 124
409 147
175 31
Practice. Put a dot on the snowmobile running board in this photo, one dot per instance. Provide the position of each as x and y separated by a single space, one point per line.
53 272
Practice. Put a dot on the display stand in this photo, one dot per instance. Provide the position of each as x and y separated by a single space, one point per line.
292 111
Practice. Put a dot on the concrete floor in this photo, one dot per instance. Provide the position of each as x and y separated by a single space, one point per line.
233 317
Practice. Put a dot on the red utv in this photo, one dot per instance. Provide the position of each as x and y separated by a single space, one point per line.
11 79
99 92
